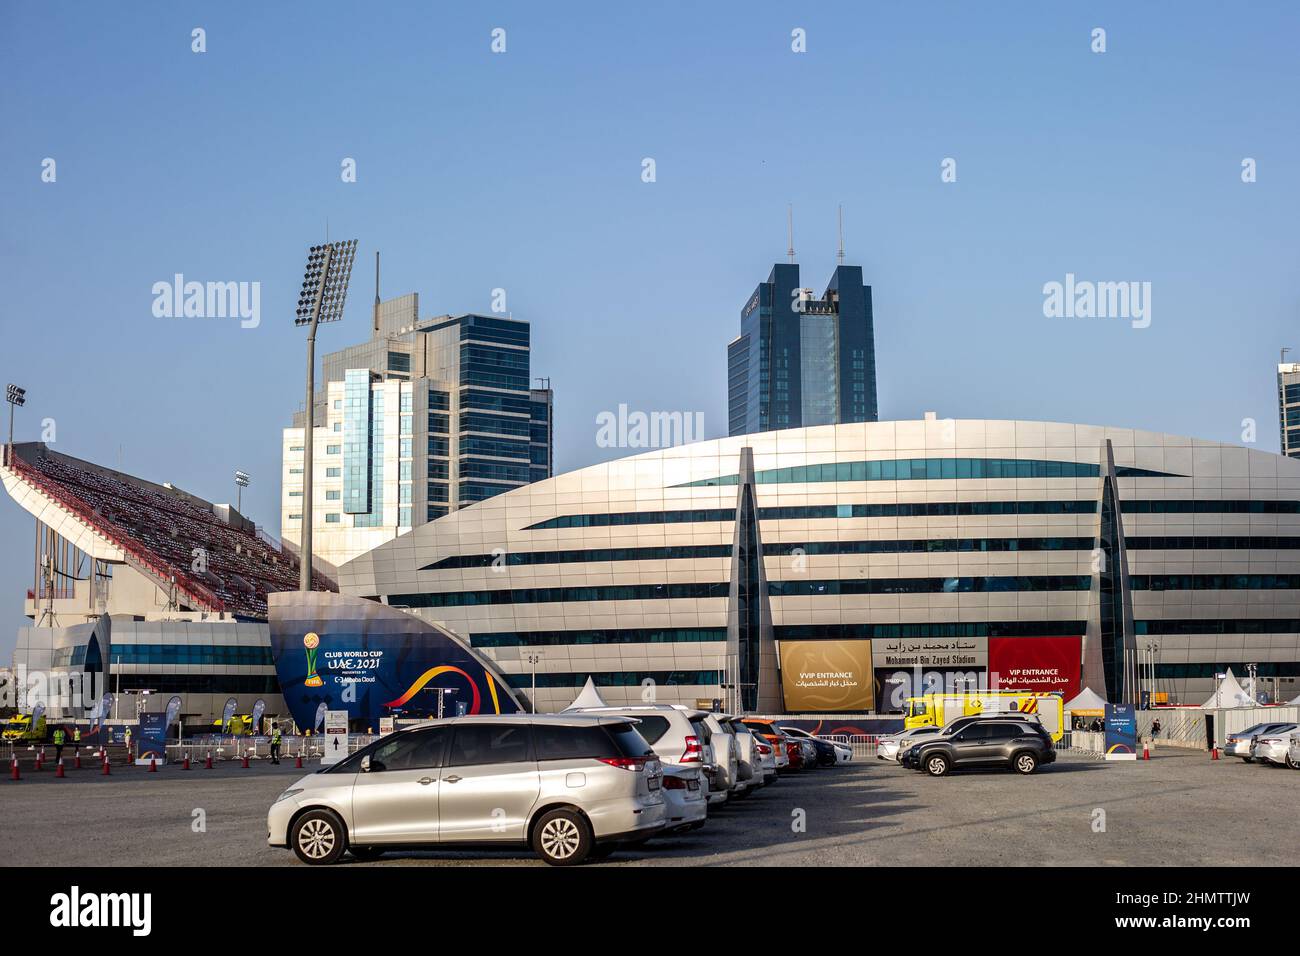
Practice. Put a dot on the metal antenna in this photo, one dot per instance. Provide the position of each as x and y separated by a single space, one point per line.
841 256
789 228
376 290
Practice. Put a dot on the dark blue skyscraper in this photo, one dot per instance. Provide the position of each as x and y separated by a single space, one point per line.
800 360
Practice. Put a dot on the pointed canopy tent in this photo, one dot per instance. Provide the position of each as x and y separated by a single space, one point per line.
1228 694
1087 703
589 697
1294 703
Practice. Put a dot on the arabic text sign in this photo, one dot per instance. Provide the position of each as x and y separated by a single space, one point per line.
826 676
930 652
1041 665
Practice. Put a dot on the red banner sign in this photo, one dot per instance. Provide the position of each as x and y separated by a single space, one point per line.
1043 665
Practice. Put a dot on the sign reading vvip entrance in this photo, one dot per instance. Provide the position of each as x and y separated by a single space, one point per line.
370 661
826 676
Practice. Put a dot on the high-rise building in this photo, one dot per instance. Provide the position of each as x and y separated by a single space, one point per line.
425 417
801 361
1288 407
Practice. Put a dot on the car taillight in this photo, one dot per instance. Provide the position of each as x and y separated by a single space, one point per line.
674 783
1270 740
694 752
635 764
764 749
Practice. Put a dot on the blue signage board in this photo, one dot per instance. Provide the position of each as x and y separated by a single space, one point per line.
152 742
1121 732
373 661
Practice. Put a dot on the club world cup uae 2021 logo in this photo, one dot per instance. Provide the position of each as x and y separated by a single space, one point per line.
311 641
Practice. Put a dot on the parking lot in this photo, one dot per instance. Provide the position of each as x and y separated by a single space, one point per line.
1180 808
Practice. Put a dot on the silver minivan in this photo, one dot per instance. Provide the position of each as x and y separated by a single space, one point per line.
571 786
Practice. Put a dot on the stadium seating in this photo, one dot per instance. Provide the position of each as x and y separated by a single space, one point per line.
160 530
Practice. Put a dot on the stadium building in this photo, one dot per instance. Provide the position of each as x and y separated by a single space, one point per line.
842 567
138 586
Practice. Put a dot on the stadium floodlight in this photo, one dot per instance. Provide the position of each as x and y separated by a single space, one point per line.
15 396
241 482
324 291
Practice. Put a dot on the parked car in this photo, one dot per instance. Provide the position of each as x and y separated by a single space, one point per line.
747 756
826 749
568 785
1238 744
767 757
1018 744
725 778
1272 745
666 727
811 759
686 794
891 746
794 750
774 737
1293 751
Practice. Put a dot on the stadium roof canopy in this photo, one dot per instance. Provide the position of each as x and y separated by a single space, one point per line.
218 559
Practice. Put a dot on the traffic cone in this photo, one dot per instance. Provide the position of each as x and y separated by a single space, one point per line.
244 761
77 760
59 770
207 764
106 771
186 765
40 755
1214 753
298 761
15 775
153 764
1146 752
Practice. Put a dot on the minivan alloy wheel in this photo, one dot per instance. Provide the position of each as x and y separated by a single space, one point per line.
560 838
316 838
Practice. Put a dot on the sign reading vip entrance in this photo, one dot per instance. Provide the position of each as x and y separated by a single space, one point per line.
335 740
826 676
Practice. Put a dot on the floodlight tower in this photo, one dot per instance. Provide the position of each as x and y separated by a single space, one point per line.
15 396
241 482
324 290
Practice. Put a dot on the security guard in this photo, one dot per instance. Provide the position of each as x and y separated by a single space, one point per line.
59 739
275 743
76 741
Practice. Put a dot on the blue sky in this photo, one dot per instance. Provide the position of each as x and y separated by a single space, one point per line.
522 171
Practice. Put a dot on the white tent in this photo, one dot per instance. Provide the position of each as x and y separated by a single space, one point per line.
589 697
1087 701
1228 694
1294 703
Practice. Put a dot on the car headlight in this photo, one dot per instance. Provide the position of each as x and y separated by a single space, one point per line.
287 794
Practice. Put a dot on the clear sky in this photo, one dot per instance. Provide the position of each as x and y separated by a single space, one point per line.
522 170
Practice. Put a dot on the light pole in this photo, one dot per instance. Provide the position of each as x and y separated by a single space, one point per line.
241 482
533 657
1152 648
15 396
324 291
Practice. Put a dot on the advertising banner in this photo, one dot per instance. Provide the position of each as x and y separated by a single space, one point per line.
373 661
826 676
152 742
1041 665
1121 732
228 712
173 711
386 726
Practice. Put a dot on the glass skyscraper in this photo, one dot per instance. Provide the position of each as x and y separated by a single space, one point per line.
424 418
801 360
1288 407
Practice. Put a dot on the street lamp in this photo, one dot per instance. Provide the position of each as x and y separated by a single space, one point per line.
324 291
15 396
241 482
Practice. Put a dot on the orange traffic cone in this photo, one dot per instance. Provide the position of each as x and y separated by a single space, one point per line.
40 755
207 764
153 764
186 765
244 761
1214 753
15 775
298 761
1146 752
106 770
58 772
77 760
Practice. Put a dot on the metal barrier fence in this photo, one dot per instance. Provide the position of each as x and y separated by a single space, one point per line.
862 745
256 748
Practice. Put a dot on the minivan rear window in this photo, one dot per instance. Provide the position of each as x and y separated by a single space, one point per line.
629 742
652 727
572 743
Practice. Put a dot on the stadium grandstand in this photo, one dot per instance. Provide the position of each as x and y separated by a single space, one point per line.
139 586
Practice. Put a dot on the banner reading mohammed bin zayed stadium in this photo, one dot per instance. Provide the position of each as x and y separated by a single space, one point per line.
826 676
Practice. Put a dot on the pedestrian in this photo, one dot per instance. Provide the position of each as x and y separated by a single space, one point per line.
275 743
129 757
76 741
59 739
1155 727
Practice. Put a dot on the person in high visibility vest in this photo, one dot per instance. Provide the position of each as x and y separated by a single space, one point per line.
76 741
59 739
275 743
